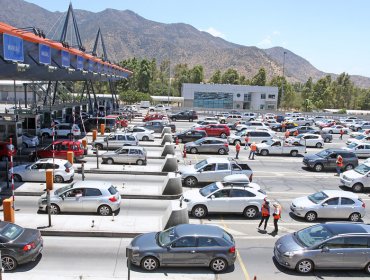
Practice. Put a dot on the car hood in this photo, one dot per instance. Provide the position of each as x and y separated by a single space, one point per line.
262 145
19 168
193 195
311 157
111 153
187 169
287 243
146 241
352 174
192 144
303 202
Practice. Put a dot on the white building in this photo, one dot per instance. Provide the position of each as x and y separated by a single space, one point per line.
224 96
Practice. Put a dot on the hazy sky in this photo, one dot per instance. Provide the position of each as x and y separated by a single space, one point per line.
334 35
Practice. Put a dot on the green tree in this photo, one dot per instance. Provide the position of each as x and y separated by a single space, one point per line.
260 78
196 74
231 76
216 77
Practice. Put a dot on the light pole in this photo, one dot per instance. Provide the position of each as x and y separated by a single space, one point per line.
169 88
282 82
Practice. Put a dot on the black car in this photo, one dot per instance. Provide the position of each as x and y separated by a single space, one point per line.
184 115
190 135
18 245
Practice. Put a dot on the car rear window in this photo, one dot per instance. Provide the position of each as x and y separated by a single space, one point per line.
11 231
112 190
228 237
67 165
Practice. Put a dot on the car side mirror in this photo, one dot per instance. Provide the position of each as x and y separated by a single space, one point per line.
325 249
200 170
212 196
62 196
324 204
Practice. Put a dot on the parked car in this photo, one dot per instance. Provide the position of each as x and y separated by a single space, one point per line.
215 130
329 204
232 118
159 107
36 172
83 196
279 147
326 159
357 179
29 141
7 150
364 138
204 123
362 150
250 125
212 170
190 135
208 145
61 147
335 129
301 129
18 245
302 121
61 130
115 141
213 247
249 116
120 120
257 136
326 136
152 117
141 133
126 155
158 125
325 246
185 115
360 126
307 139
219 198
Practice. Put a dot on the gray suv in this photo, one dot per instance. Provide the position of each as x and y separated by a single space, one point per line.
326 159
325 246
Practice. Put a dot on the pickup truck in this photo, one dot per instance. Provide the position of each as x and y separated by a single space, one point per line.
212 170
279 147
159 107
303 121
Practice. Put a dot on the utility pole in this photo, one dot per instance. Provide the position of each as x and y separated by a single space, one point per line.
282 82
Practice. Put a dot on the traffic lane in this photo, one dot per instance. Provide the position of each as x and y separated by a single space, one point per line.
92 161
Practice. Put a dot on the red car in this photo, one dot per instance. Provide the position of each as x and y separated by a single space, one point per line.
152 117
120 120
216 130
328 124
5 151
61 147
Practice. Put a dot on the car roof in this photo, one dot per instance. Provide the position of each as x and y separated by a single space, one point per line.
217 160
236 178
346 228
92 184
214 138
50 160
334 193
200 230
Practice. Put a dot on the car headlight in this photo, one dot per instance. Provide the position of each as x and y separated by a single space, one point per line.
299 208
187 200
44 201
289 254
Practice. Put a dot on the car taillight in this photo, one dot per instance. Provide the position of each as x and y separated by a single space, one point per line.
232 250
226 145
75 130
113 199
67 170
363 204
250 178
29 247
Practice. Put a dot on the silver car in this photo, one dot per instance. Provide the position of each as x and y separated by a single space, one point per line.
184 245
126 155
329 204
208 145
84 196
115 141
325 246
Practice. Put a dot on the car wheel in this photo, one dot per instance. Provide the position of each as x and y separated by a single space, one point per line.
318 145
24 145
310 216
307 124
223 135
326 140
218 265
9 263
149 263
367 268
173 119
191 181
264 153
199 211
304 266
45 134
193 151
104 210
222 121
294 153
221 151
349 167
359 128
17 178
140 162
331 131
318 167
237 142
99 146
250 212
58 179
54 209
110 161
354 217
145 138
358 187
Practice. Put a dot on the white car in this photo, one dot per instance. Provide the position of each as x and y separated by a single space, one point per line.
29 141
363 138
307 139
142 134
36 172
62 129
251 125
257 136
360 149
335 129
205 122
358 178
220 198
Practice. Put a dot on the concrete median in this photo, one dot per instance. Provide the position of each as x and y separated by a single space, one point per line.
175 214
165 130
168 149
172 185
170 164
167 138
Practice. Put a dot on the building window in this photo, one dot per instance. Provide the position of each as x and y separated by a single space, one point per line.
270 107
263 95
271 96
262 107
247 97
213 100
238 95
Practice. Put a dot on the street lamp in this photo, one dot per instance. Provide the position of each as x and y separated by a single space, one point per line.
282 82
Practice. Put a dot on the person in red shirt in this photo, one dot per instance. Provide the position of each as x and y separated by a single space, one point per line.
286 134
295 133
265 213
237 149
246 139
253 151
341 132
339 163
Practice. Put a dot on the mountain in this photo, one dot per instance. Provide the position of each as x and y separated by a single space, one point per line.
127 35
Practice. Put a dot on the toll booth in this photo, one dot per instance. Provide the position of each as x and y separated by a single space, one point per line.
11 129
31 123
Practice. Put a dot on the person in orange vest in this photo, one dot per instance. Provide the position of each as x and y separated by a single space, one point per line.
252 153
265 213
339 163
277 215
286 134
246 139
341 132
283 126
237 149
295 133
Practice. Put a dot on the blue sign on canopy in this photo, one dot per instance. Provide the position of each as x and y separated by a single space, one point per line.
99 67
80 63
13 48
44 54
91 66
66 59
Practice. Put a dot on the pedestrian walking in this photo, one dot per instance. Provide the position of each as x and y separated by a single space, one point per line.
295 133
286 134
277 215
237 149
283 126
339 163
341 132
265 212
246 140
252 153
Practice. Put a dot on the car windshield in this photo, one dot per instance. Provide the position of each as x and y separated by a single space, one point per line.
200 164
167 236
300 136
63 189
323 154
240 133
270 142
359 137
352 145
207 190
362 169
197 142
313 235
11 231
317 197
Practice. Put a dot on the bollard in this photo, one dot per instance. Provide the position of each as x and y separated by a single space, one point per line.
83 171
49 187
70 156
95 134
84 144
8 210
102 129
